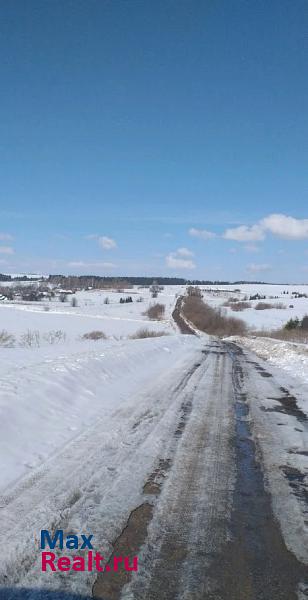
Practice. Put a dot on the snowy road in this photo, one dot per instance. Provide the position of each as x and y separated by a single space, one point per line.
202 474
211 532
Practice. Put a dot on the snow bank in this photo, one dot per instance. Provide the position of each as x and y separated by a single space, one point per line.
125 403
47 398
289 356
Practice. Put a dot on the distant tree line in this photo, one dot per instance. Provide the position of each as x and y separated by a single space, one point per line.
4 277
208 282
96 282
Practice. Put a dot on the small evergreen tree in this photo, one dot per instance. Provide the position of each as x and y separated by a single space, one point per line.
292 324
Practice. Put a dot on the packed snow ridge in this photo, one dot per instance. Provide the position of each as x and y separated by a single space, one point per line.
291 357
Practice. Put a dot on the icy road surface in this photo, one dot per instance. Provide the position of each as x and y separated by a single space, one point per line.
202 474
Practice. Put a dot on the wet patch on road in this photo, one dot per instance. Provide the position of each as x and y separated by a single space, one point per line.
300 452
262 371
297 481
288 406
255 564
259 368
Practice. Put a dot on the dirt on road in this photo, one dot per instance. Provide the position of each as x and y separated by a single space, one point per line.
179 320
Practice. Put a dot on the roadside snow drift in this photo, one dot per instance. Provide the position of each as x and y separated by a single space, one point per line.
81 432
47 402
288 356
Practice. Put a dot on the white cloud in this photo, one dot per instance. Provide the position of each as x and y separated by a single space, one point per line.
108 265
3 261
179 263
243 233
6 250
252 248
107 243
92 236
179 259
203 234
253 268
90 265
184 252
233 250
280 225
104 242
286 227
76 264
6 237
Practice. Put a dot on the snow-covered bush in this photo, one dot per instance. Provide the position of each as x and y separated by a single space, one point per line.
6 339
155 311
94 335
146 333
55 337
30 339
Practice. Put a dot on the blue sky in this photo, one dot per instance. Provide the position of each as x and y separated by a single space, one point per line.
155 138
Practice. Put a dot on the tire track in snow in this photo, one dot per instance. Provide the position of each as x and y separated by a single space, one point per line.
170 559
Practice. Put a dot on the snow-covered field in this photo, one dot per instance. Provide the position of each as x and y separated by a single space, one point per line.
272 318
91 313
121 320
51 392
